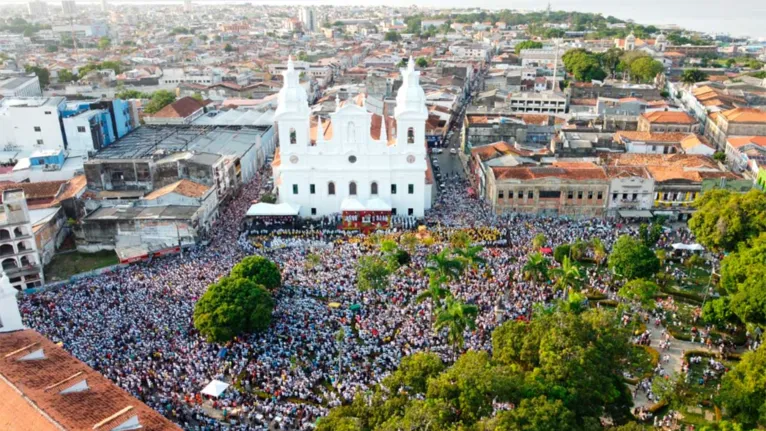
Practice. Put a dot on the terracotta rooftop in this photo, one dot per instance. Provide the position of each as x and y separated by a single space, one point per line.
71 189
31 391
181 108
498 149
694 140
183 187
669 117
668 167
621 136
532 173
741 141
36 191
745 115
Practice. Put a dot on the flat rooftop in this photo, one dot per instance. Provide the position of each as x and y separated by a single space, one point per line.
166 212
146 141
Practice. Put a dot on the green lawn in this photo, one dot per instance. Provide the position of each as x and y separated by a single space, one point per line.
63 266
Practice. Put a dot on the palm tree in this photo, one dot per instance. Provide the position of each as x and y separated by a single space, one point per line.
470 255
435 292
409 241
459 239
568 276
441 264
456 316
539 241
536 267
599 250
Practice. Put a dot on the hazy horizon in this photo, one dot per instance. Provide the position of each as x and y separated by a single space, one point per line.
700 15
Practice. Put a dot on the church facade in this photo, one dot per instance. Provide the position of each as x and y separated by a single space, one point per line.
354 163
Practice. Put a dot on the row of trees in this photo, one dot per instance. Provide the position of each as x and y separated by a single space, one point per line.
561 371
586 66
239 303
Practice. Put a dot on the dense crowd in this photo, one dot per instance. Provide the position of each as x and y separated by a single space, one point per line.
135 325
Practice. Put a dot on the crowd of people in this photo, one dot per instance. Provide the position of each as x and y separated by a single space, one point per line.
135 325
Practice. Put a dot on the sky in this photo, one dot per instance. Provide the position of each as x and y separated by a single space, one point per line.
739 18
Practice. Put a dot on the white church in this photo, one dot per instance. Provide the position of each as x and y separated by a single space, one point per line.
364 166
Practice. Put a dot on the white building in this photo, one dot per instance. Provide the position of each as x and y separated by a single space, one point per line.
10 316
538 103
31 124
355 161
68 7
18 249
308 19
631 190
22 86
37 8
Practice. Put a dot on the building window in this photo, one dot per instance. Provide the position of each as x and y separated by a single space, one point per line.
520 194
47 112
40 142
313 211
295 189
600 195
374 188
393 211
352 159
331 188
410 211
614 196
352 188
411 189
393 189
624 196
635 196
579 195
81 129
530 194
293 136
500 195
590 195
312 189
570 194
411 135
38 129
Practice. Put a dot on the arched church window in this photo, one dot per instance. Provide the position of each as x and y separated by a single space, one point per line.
374 188
352 188
411 135
351 132
293 136
331 188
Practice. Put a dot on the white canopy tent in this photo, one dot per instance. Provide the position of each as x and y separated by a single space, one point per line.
351 204
215 388
263 209
692 247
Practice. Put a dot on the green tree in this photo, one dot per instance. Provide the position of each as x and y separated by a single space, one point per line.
610 59
313 260
459 239
630 259
435 292
639 290
749 302
42 74
228 48
539 241
232 306
568 276
746 262
372 273
131 94
536 267
469 256
562 251
104 43
649 235
724 219
645 69
67 76
159 100
692 76
743 390
51 48
259 270
599 250
456 316
444 265
583 65
421 62
392 36
537 414
414 372
527 44
719 312
409 241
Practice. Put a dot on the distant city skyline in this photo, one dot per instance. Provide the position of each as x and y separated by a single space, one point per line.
701 15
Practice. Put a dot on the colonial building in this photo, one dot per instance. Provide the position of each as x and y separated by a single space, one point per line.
667 121
735 122
355 162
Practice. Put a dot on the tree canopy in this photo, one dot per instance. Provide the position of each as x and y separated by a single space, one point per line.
372 273
631 259
691 76
159 100
644 69
548 368
743 390
724 219
260 270
583 65
232 306
42 74
527 44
